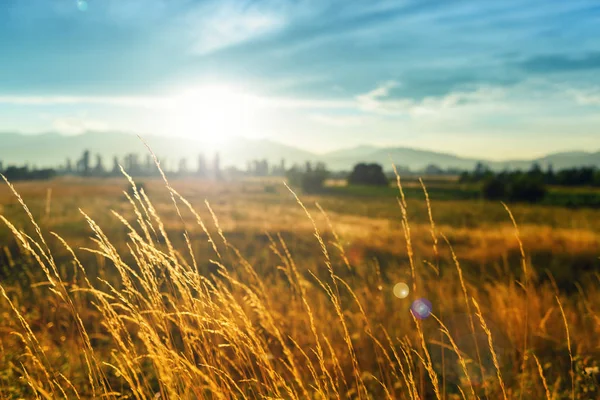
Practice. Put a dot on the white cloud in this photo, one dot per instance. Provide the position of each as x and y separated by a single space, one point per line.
314 104
77 125
374 100
167 102
222 24
339 121
128 101
378 101
585 97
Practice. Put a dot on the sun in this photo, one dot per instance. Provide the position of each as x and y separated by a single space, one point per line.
212 114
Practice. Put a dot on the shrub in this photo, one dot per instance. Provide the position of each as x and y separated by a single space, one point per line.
527 189
367 174
311 180
494 189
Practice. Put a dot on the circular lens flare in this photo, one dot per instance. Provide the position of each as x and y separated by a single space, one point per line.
421 308
82 5
401 290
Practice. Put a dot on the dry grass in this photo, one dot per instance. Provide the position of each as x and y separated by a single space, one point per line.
183 302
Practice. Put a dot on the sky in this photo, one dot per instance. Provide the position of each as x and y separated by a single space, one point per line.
495 79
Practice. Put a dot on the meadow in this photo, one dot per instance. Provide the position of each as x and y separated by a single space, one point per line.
245 289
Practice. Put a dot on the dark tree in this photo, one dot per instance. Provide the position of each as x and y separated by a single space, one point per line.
201 170
69 166
217 167
84 163
278 169
313 180
99 168
13 173
310 181
148 165
480 170
294 176
367 174
549 177
596 181
433 169
535 172
494 189
132 165
264 167
183 169
465 177
116 169
261 167
528 189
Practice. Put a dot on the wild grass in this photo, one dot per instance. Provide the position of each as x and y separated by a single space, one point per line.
166 300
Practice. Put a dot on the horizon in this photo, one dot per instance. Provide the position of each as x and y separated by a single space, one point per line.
503 81
224 145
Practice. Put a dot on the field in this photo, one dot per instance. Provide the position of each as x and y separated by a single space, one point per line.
227 290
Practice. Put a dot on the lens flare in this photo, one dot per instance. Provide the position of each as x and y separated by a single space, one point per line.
421 308
401 290
82 5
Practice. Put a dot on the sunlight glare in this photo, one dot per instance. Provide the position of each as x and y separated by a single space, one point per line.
212 113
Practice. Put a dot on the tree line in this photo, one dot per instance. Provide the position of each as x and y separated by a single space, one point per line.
514 186
311 179
582 176
528 185
93 165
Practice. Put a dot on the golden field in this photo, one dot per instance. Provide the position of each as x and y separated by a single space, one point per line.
241 290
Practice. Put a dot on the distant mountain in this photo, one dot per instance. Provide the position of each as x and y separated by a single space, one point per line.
358 151
417 159
241 150
52 149
401 156
566 160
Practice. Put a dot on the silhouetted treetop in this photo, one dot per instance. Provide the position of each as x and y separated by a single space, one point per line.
367 174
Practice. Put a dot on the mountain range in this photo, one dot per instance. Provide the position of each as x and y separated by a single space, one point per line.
52 149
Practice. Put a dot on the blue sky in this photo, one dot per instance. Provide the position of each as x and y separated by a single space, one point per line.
496 79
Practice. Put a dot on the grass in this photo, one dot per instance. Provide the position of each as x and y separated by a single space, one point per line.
265 294
577 197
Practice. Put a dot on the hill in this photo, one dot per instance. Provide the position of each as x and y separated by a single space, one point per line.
413 158
52 149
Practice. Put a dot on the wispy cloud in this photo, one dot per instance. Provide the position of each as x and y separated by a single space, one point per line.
339 121
127 101
379 100
220 24
585 97
562 63
77 125
386 99
173 101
